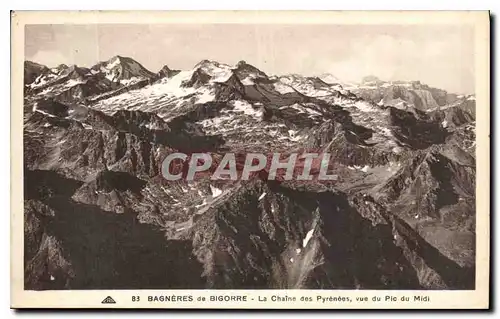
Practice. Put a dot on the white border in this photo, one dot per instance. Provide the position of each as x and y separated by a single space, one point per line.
188 4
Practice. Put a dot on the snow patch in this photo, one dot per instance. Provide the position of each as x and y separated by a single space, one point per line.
110 76
307 238
39 81
293 135
364 106
215 122
218 72
387 132
206 96
329 78
245 107
247 81
301 109
361 168
132 80
152 126
72 82
202 204
47 90
397 150
282 88
43 112
215 191
113 63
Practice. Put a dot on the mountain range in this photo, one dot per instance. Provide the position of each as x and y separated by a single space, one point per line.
99 215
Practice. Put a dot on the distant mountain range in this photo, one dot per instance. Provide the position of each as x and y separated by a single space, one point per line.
98 214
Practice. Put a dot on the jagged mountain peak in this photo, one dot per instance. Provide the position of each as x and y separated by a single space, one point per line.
28 63
215 72
403 93
59 69
165 71
246 68
211 64
205 61
329 78
242 63
222 72
120 68
33 70
120 59
74 71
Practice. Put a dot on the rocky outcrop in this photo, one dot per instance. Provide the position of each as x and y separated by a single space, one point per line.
32 71
166 72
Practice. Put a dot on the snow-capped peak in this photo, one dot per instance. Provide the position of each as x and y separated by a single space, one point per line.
218 72
123 68
329 78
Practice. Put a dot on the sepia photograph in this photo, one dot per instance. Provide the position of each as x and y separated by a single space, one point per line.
250 156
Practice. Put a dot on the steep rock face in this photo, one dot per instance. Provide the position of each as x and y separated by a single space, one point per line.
452 117
198 79
435 193
51 108
80 151
231 89
325 133
431 180
117 247
415 129
404 93
247 73
122 68
111 191
32 71
74 72
166 72
399 214
295 239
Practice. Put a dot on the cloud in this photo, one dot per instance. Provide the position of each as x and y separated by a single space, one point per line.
50 58
431 60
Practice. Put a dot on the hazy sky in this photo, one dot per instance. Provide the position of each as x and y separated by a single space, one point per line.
441 56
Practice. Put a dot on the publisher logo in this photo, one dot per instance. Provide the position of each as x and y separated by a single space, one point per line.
108 300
